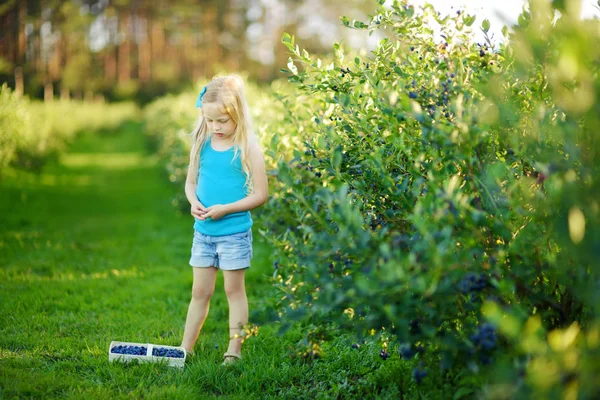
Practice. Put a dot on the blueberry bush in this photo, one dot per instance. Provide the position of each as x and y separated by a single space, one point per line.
442 197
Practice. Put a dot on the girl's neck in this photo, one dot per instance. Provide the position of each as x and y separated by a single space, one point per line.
220 144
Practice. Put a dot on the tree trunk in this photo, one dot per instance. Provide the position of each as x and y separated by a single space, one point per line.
9 26
19 84
48 92
124 61
144 52
110 64
211 39
22 40
64 94
54 60
157 42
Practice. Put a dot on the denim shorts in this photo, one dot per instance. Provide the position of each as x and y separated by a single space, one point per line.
227 252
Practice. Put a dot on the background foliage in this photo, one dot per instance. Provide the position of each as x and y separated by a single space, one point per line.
31 132
139 49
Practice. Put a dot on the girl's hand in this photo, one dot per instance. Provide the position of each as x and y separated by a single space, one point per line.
215 212
198 210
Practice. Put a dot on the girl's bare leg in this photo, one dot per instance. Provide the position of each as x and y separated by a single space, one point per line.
202 290
238 307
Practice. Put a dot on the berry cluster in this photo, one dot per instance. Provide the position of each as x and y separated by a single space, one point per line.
131 350
418 374
164 352
406 351
445 92
384 354
485 338
345 71
472 283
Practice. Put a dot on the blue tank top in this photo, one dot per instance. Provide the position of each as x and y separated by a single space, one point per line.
221 180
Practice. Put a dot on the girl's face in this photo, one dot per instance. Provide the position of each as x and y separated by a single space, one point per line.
220 124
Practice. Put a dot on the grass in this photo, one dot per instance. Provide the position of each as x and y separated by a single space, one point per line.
91 250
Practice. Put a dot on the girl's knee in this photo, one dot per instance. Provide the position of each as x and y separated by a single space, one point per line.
235 291
200 293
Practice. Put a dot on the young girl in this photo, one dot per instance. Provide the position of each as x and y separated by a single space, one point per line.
226 179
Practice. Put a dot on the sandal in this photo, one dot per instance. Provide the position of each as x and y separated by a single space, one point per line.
231 357
189 353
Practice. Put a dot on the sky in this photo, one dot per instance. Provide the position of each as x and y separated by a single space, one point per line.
498 12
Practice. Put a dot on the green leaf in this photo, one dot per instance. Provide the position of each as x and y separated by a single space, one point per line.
469 19
305 55
287 38
485 25
288 41
462 392
292 67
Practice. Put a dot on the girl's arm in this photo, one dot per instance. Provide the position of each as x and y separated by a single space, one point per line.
260 192
191 183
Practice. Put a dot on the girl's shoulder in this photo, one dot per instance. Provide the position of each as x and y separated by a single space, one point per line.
254 149
253 140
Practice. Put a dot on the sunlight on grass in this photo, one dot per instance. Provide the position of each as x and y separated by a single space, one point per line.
55 180
47 179
108 160
6 354
32 276
20 237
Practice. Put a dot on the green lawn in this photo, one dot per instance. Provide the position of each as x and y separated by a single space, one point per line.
91 250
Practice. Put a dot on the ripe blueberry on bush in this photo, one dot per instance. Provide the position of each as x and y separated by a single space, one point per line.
406 351
384 354
419 374
412 95
485 338
414 326
472 283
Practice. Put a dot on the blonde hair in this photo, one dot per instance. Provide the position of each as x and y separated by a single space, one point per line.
228 92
